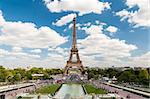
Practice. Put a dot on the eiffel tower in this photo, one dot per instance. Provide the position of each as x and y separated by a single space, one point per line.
74 51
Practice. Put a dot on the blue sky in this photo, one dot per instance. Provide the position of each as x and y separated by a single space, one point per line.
115 25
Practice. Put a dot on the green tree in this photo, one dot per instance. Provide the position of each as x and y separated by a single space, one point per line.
28 75
144 77
4 74
111 72
17 77
90 75
20 71
127 76
35 70
46 76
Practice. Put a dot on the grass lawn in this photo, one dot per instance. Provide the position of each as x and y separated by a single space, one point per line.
91 89
51 89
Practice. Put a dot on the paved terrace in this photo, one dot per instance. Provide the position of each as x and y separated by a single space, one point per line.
122 92
10 91
146 94
14 87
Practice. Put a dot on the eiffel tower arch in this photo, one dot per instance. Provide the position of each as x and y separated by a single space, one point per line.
74 52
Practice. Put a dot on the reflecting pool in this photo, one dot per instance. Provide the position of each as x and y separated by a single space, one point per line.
68 91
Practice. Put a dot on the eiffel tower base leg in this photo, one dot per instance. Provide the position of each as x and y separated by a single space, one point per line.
67 68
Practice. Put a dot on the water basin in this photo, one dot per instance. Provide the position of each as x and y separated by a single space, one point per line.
70 91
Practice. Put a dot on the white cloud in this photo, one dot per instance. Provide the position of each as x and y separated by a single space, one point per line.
88 28
112 29
96 49
80 6
125 14
27 35
101 49
3 52
16 49
143 60
17 57
36 51
1 18
97 22
70 25
138 18
56 58
79 26
93 29
85 26
15 53
65 19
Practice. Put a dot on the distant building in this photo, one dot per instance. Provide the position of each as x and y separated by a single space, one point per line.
105 79
29 67
122 68
114 79
138 68
37 76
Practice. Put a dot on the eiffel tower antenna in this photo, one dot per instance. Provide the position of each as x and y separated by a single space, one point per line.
74 33
74 51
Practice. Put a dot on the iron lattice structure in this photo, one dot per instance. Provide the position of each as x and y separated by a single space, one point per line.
74 51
